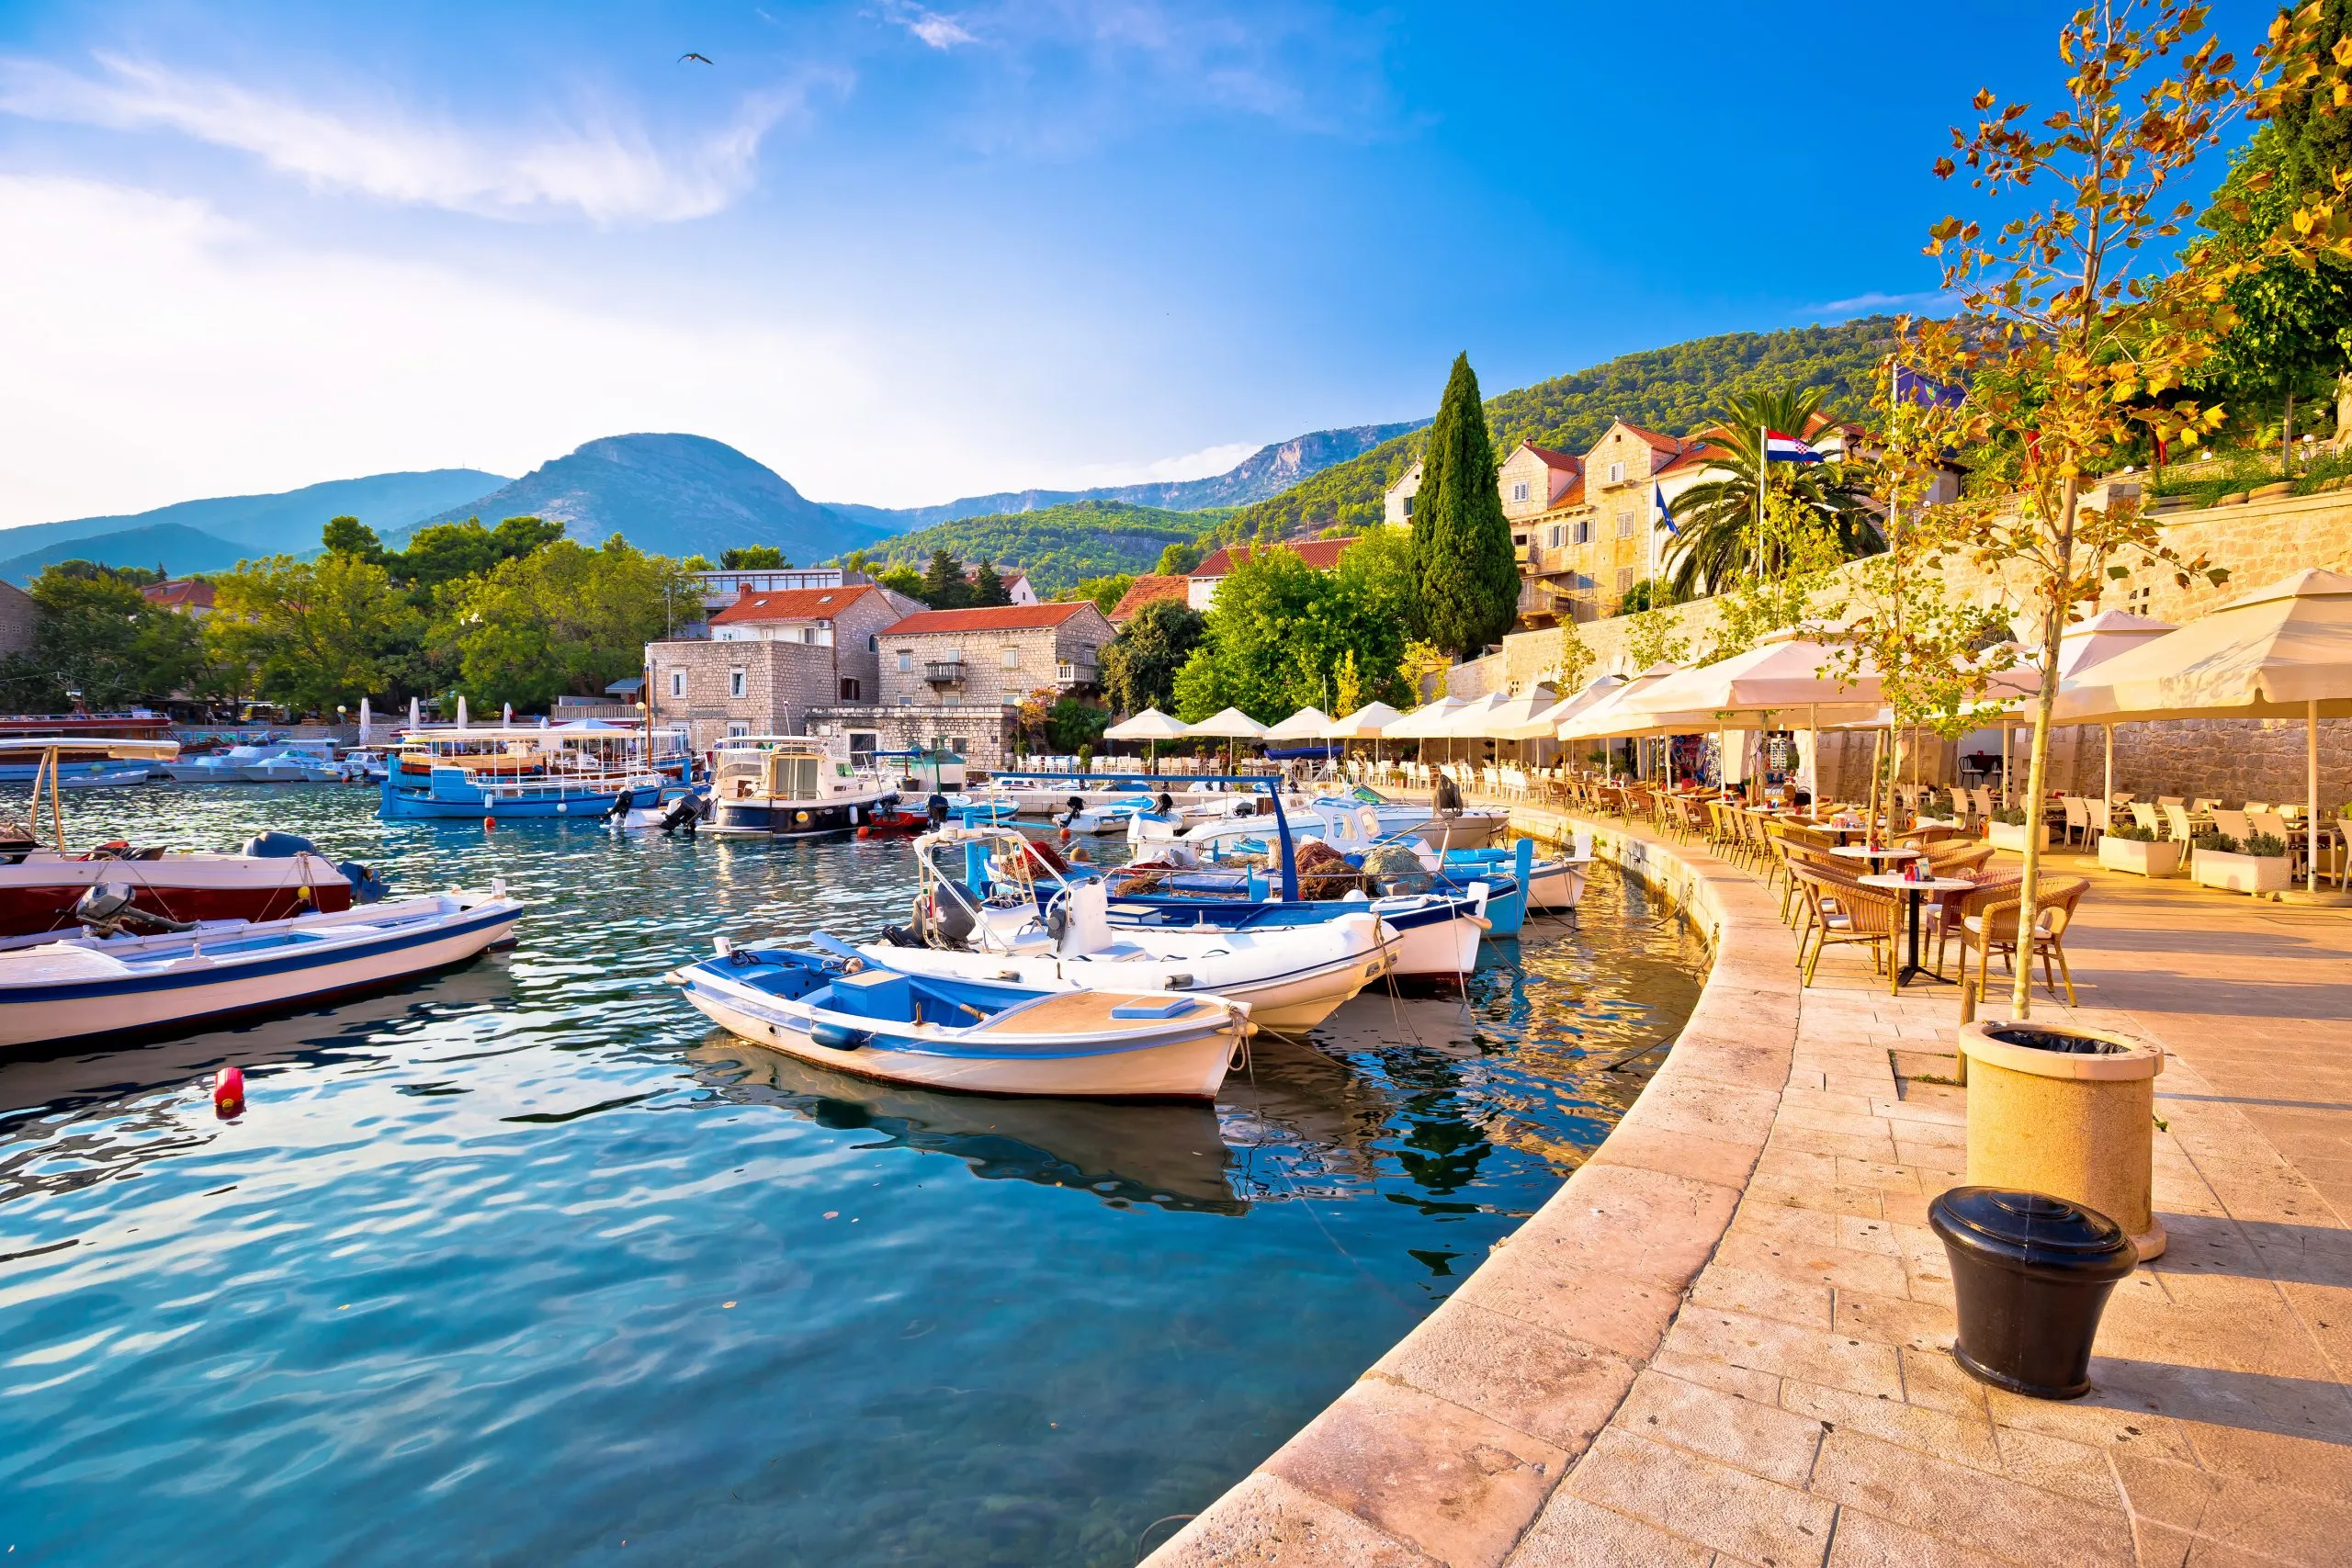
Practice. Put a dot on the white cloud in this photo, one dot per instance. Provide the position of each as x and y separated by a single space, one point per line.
604 167
1200 464
934 28
1865 304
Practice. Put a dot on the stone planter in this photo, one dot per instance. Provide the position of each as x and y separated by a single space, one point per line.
2159 857
2011 835
2239 873
2076 1122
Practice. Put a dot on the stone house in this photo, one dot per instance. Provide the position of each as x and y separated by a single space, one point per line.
990 658
190 596
748 686
1201 583
20 619
1396 503
848 620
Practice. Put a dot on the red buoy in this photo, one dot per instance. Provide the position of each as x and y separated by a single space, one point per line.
487 823
229 1092
866 832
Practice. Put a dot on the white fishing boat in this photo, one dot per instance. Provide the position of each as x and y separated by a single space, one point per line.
992 947
93 985
791 786
217 767
295 762
841 1013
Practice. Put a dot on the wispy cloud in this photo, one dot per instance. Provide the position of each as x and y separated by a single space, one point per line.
1863 304
936 28
602 166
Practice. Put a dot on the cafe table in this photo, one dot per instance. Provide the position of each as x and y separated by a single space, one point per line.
1915 887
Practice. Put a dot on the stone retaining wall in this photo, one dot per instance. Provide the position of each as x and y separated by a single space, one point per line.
1446 1449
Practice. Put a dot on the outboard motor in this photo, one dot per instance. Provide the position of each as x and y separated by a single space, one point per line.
936 810
274 845
684 812
1072 809
946 917
366 887
106 908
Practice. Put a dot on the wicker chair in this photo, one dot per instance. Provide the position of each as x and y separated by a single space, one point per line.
1843 913
1993 928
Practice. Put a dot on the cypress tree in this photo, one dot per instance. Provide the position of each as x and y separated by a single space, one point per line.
1462 554
988 587
943 587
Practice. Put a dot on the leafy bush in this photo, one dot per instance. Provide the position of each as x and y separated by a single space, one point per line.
2212 840
2132 833
2009 815
2266 844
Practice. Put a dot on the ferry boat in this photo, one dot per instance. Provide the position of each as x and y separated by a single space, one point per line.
586 768
792 786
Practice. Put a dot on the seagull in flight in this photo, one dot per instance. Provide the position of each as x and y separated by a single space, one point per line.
691 55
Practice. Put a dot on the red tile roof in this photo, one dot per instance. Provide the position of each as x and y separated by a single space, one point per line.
1662 442
1320 554
997 618
184 593
1698 454
1552 459
793 604
1145 591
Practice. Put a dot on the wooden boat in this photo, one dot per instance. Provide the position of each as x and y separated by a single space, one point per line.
512 771
42 880
89 985
841 1013
1293 978
790 786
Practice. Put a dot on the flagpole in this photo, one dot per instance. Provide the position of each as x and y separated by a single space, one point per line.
1763 472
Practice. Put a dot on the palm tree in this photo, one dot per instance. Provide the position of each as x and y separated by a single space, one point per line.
1715 542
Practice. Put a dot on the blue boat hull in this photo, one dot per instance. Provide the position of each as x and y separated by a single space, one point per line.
411 803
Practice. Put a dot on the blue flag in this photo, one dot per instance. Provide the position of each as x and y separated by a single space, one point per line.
1927 392
1665 516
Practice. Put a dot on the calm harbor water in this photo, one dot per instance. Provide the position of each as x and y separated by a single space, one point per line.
527 1264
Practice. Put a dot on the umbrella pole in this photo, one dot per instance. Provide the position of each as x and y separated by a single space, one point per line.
1812 756
2109 795
2006 733
2310 804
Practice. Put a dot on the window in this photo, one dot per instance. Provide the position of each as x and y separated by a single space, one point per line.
849 689
1559 535
1625 580
874 642
736 730
735 685
1012 659
1616 473
1409 506
1583 526
1626 525
677 683
1518 490
809 636
905 659
906 702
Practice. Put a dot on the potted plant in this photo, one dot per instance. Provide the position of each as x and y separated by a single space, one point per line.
2259 865
2008 830
2127 846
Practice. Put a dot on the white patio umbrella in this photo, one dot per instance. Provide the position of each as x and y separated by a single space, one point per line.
1151 726
1369 722
1606 719
366 721
2284 651
1307 724
415 716
2085 644
1231 726
1424 722
461 712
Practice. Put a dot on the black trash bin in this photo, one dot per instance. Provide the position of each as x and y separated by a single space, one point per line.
2031 1274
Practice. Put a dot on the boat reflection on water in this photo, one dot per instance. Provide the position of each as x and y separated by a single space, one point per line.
1170 1156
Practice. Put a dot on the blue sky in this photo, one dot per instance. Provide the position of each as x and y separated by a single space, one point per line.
903 253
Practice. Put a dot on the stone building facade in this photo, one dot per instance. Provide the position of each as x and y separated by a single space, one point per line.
992 658
20 619
716 689
848 620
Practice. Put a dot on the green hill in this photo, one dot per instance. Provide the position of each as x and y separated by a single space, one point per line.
1057 545
1671 389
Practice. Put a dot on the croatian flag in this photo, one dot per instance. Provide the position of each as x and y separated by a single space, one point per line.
1780 448
1665 516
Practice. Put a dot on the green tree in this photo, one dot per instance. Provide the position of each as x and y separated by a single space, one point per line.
445 552
1276 638
2293 334
562 619
314 634
1178 559
97 635
1105 591
1140 664
943 587
1716 539
900 578
987 588
1467 579
349 536
1072 723
753 557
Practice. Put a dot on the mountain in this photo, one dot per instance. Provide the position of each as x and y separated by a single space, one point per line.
178 550
287 521
1057 545
674 495
1270 470
1673 391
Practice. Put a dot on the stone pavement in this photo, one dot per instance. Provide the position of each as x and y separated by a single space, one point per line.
1727 1339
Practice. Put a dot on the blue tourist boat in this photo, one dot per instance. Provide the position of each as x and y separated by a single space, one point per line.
504 772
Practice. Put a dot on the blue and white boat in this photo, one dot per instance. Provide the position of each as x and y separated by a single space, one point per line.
511 773
118 987
842 1013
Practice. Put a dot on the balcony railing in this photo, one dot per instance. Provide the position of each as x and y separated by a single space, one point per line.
943 672
1077 673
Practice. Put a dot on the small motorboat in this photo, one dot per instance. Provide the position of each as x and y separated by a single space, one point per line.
878 1023
1553 884
790 786
682 809
295 762
1004 943
112 982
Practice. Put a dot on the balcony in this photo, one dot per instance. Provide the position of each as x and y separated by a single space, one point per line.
1084 673
944 672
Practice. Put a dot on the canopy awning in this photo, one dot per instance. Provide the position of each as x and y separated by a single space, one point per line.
1150 725
1231 724
1424 722
1367 722
2273 654
1307 724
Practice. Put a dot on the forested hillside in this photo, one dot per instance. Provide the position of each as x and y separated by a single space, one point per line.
1671 389
1057 545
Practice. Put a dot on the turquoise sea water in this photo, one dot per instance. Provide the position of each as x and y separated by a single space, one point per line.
529 1265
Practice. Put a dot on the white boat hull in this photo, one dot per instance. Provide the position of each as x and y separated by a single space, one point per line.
44 1003
1184 1067
1556 885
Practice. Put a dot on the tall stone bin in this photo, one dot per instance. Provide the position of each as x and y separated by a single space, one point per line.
2069 1111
